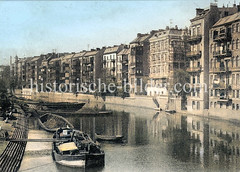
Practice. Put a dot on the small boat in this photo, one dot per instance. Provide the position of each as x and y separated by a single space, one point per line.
78 151
63 105
108 138
51 122
170 111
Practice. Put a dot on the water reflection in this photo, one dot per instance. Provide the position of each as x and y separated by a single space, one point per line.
197 142
157 141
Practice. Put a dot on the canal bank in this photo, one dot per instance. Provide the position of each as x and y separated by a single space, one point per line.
143 102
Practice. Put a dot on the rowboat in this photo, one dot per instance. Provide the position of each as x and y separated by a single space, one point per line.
78 151
51 122
108 138
63 105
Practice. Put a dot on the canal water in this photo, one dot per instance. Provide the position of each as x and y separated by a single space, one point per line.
152 142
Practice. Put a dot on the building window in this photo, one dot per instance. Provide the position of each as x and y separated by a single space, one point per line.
233 28
198 105
193 104
233 42
233 79
233 93
237 43
237 79
215 104
233 106
237 61
237 107
237 27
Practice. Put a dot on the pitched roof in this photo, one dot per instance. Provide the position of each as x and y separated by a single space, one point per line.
80 54
90 53
54 59
228 19
201 16
124 51
35 58
67 57
111 50
141 38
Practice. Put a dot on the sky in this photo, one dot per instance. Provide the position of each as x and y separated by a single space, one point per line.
31 28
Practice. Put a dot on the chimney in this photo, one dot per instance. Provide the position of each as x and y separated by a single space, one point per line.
92 49
176 27
98 49
139 35
10 60
199 11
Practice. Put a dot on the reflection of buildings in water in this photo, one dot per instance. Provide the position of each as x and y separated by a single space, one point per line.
161 126
211 143
138 130
195 126
224 144
110 125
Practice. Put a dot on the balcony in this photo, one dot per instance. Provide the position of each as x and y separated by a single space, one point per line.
133 64
194 39
219 85
222 37
113 69
125 61
194 69
222 54
219 70
194 54
224 99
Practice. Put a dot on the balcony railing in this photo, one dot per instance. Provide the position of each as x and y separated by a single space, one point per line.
224 99
194 39
223 53
219 85
194 69
222 37
219 70
194 54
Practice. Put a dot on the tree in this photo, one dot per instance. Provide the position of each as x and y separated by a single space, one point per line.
181 78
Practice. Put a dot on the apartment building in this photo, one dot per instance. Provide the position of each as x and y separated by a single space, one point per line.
76 67
2 69
139 63
224 53
167 54
91 67
66 68
122 66
198 99
110 63
54 68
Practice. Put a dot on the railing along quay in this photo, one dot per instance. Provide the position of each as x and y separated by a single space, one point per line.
10 159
